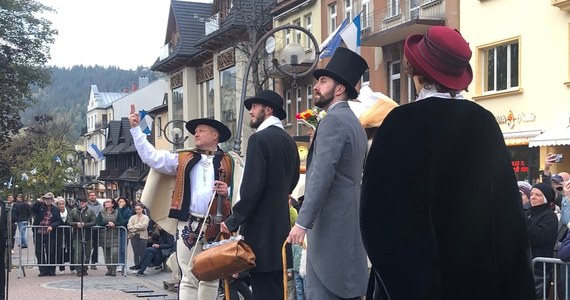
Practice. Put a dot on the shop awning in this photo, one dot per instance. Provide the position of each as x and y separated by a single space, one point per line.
552 137
518 138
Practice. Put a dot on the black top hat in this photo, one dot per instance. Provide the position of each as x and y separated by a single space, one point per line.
345 67
269 98
222 129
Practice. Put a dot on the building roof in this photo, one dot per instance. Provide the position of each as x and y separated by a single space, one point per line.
119 138
104 99
188 18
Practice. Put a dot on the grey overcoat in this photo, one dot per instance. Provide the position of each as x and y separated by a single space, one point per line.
330 210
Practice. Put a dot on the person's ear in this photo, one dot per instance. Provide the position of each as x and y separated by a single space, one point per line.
339 89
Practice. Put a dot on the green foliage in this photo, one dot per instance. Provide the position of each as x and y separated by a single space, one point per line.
24 50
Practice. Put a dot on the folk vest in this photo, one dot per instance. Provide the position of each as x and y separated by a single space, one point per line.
222 162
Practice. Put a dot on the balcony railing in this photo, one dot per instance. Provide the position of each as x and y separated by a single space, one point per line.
402 12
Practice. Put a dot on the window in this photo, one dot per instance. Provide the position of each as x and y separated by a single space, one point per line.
348 9
364 17
394 84
411 90
309 27
288 36
394 7
309 96
158 125
178 109
332 17
228 101
501 69
288 106
297 32
299 109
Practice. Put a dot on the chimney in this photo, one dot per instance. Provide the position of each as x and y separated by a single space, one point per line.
143 81
133 87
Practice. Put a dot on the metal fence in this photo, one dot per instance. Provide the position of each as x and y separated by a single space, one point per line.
555 284
64 246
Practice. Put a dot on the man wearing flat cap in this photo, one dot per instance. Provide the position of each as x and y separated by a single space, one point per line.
46 216
270 175
329 213
197 181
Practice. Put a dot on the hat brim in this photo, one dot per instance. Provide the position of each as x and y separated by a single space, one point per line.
415 59
222 129
350 89
279 112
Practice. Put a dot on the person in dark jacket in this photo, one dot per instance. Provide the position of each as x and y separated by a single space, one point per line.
21 212
126 212
542 227
46 215
162 245
429 233
270 175
81 219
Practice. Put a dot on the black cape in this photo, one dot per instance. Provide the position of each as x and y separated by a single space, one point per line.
441 214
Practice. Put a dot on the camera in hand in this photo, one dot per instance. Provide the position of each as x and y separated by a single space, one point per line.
558 158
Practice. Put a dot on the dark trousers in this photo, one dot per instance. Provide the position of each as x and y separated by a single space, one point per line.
95 243
63 247
267 285
239 285
45 252
151 256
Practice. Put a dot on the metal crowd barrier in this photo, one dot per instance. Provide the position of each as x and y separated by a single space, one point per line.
45 249
558 280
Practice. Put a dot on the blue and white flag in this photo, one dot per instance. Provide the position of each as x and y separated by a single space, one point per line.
146 122
10 183
328 47
34 171
95 152
351 35
25 177
57 159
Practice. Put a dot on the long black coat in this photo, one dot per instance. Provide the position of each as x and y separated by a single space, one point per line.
270 175
441 214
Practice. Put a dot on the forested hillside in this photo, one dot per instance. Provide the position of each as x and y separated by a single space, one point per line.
68 95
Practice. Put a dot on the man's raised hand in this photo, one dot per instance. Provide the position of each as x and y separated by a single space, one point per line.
134 117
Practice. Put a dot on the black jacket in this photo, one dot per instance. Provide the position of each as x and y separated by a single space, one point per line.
441 214
270 175
542 227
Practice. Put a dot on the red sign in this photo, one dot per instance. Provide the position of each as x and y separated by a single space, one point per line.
519 166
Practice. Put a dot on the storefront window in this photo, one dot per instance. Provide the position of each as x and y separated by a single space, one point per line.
525 162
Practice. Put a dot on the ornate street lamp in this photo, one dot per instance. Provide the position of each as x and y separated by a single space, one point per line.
293 54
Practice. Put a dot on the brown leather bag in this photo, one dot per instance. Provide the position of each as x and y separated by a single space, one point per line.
230 257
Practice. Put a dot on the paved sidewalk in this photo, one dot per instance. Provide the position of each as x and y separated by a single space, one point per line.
95 285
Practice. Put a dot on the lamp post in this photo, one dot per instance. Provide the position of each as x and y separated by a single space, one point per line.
292 55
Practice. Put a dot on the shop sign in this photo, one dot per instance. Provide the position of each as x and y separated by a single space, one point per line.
519 166
511 119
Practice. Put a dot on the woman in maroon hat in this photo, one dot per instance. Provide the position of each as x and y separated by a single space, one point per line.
429 232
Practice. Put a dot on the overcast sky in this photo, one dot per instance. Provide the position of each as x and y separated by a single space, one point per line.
123 33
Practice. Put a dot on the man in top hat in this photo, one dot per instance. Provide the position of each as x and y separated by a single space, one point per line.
432 231
197 182
332 188
270 175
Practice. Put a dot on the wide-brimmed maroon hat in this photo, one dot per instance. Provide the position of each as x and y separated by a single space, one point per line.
441 55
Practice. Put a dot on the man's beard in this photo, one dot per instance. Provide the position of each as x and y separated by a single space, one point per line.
257 120
324 99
